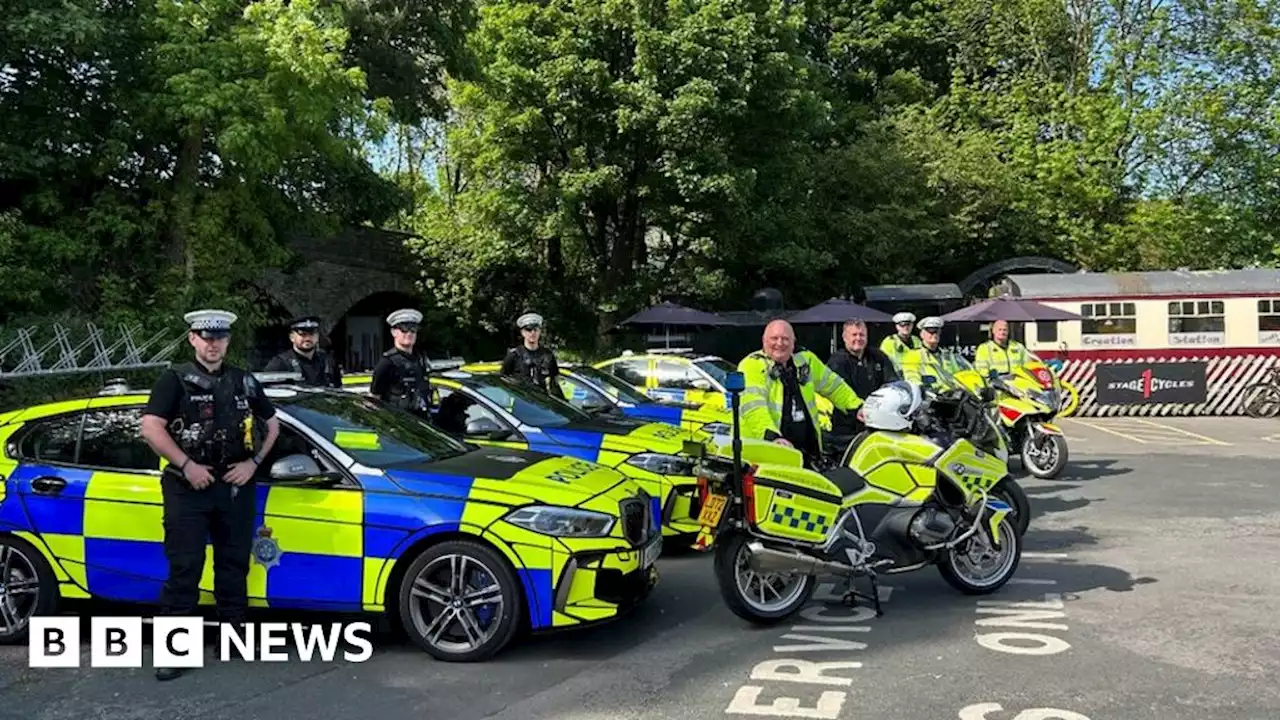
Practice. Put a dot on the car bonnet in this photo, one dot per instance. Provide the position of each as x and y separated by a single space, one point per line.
537 476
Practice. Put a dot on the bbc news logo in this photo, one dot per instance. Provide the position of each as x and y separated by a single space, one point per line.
179 642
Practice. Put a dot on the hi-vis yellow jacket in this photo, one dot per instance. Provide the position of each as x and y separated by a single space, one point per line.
923 361
762 398
897 350
1002 359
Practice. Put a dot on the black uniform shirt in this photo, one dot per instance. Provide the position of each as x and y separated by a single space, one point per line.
318 370
166 397
865 375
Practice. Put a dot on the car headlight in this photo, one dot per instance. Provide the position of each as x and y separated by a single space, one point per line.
718 428
561 522
662 463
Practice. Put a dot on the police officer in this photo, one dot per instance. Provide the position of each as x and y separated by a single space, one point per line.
930 360
400 378
316 366
532 363
864 368
1000 353
897 346
781 384
200 418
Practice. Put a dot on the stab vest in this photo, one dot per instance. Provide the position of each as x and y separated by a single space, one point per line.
534 366
326 369
409 391
214 424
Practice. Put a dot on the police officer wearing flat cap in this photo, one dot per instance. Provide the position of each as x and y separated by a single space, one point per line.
317 367
532 363
203 417
400 378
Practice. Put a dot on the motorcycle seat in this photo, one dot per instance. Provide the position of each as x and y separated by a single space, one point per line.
846 479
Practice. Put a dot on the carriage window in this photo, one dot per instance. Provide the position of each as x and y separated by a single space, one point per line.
1117 318
1269 315
1197 316
1047 331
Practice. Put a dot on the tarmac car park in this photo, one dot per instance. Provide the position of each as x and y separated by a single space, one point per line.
593 390
488 409
361 508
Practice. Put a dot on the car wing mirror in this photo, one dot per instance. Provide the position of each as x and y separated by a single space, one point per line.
302 469
487 428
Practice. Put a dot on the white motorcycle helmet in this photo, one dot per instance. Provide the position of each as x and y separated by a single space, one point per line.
891 406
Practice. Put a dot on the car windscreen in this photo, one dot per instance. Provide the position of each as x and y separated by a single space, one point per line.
373 433
717 369
528 404
614 386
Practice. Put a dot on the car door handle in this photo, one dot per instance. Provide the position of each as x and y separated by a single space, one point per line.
48 485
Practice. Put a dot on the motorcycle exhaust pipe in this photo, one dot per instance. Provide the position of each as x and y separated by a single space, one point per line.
767 560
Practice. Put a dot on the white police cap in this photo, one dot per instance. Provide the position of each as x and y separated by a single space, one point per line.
903 317
529 320
405 316
932 322
210 322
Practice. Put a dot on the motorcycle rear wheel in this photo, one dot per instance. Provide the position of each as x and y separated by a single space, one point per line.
736 581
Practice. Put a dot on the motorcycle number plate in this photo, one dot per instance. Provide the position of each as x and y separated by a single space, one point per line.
711 512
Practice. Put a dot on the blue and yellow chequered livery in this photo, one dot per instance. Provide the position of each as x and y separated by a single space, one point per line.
485 408
359 509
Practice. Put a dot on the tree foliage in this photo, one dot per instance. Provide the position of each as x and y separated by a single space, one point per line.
588 157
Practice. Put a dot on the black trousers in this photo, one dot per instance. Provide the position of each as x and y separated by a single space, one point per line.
192 519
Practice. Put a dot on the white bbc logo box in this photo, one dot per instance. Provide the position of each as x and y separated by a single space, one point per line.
179 642
116 642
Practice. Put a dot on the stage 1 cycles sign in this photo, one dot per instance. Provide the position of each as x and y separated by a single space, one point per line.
1142 383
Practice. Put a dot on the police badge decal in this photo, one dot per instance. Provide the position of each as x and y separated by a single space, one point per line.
266 551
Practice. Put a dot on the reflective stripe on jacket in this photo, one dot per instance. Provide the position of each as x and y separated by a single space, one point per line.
762 397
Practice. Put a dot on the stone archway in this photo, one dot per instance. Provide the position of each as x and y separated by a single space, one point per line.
982 279
361 334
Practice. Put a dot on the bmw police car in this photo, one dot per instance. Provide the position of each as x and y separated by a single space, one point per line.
487 409
596 391
361 508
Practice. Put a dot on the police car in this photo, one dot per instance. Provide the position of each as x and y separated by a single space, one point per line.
360 508
596 391
487 409
679 375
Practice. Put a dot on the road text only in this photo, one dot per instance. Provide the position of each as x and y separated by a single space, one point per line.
179 642
829 629
1023 628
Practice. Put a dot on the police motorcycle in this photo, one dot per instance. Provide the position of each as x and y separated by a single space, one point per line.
1027 401
913 491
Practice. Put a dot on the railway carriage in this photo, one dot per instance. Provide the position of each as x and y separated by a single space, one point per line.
1228 321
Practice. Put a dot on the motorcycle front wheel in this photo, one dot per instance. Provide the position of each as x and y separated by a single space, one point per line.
1045 459
763 599
977 567
1012 493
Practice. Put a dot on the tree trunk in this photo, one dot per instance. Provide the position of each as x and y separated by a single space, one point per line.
186 181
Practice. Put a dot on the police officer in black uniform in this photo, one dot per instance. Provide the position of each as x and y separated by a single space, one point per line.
532 363
401 377
203 417
317 367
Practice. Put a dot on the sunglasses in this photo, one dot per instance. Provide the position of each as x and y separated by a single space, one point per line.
531 328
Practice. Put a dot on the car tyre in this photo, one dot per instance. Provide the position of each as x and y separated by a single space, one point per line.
25 566
460 601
